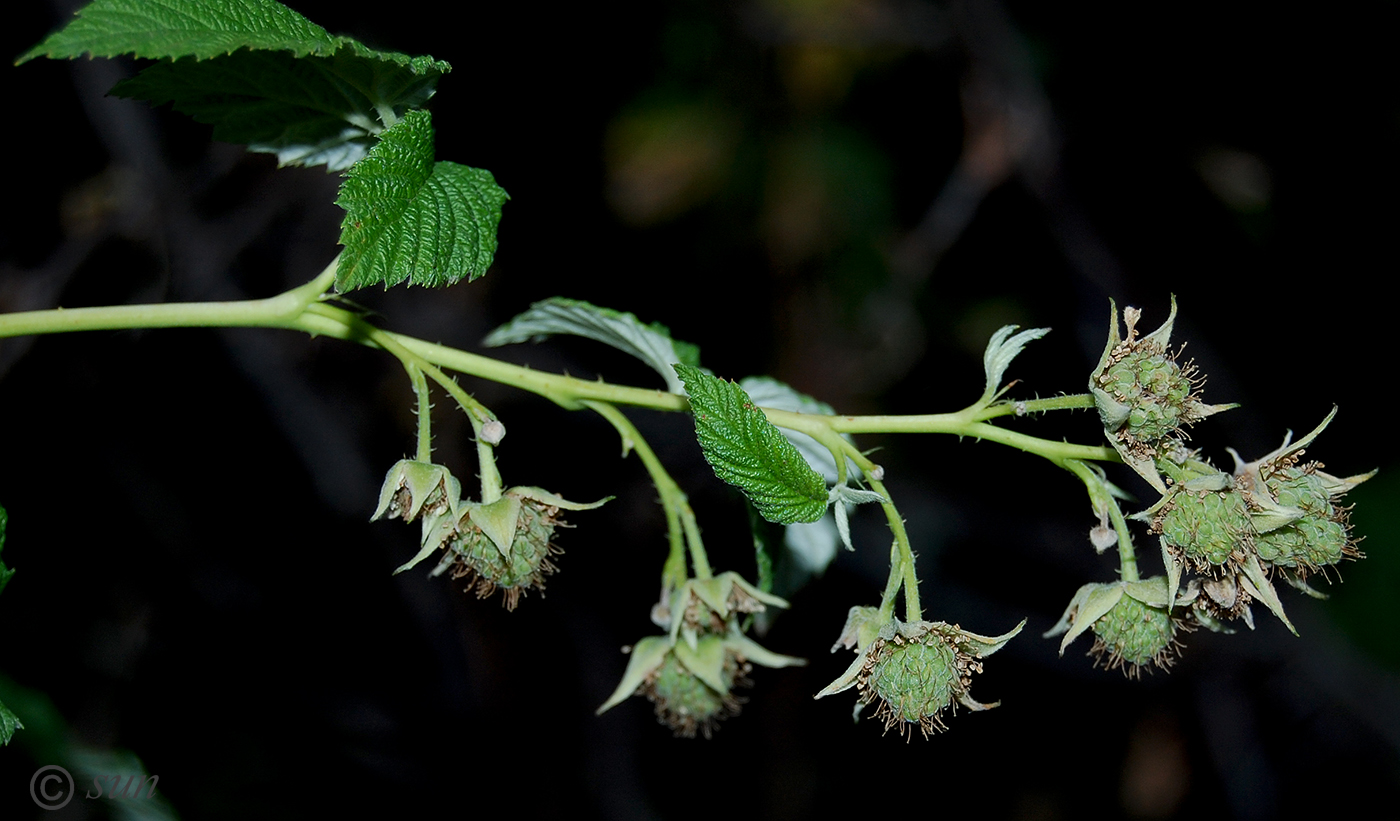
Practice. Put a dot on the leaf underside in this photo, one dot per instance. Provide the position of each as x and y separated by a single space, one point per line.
408 218
306 110
650 343
749 452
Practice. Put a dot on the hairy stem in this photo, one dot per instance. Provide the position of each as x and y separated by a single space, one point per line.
425 413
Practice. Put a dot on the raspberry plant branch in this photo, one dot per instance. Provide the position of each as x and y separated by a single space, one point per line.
327 100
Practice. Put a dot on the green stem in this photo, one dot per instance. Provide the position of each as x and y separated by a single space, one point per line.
425 412
1101 499
477 413
901 552
282 311
300 309
680 518
1076 401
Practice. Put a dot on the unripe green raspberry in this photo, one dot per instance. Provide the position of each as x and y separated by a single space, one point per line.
1144 398
1155 389
688 705
916 680
1134 635
1320 538
476 557
1205 527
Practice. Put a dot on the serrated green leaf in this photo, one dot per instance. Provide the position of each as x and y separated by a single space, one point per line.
257 71
771 393
408 218
203 29
650 343
749 452
306 110
179 28
9 722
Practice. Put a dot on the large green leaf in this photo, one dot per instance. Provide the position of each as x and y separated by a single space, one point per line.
184 28
260 73
306 110
650 343
749 452
409 218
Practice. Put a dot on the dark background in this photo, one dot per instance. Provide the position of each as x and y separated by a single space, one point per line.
849 195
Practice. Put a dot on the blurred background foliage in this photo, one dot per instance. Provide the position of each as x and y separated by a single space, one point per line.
850 195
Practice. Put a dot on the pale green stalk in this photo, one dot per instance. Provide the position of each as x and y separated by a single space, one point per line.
1101 497
680 518
425 412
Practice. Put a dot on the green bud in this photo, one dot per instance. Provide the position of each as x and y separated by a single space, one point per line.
412 488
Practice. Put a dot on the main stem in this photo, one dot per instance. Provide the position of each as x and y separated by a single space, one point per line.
305 309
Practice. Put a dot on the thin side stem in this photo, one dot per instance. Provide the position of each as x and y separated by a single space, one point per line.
1078 401
1103 500
425 412
680 519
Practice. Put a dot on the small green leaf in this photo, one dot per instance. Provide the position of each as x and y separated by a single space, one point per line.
408 218
749 452
650 343
1001 349
9 722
